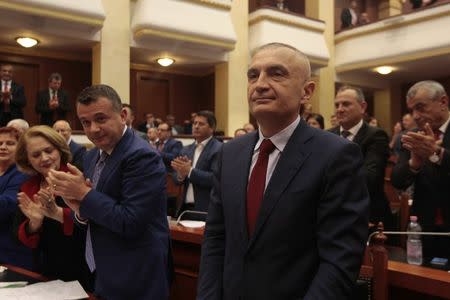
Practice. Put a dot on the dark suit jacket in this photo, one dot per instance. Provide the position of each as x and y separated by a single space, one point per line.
17 104
128 221
48 116
374 144
346 18
311 229
78 151
11 252
202 176
171 149
431 191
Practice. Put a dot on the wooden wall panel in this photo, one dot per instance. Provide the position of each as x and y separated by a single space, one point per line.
164 93
33 72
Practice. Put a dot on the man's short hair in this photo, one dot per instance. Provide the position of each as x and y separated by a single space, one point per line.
359 93
21 123
129 107
92 93
168 125
211 119
435 89
55 76
299 53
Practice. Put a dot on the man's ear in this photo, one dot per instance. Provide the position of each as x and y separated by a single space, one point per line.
123 115
363 106
444 102
308 88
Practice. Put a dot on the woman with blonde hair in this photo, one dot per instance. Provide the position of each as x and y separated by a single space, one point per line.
45 224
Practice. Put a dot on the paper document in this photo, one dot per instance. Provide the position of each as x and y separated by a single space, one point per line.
52 290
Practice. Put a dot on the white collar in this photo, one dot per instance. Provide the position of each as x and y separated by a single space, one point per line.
354 130
444 126
281 138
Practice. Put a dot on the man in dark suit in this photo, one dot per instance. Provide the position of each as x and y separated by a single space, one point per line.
124 204
424 162
150 122
12 98
168 147
288 211
349 15
78 151
52 103
130 119
195 164
350 106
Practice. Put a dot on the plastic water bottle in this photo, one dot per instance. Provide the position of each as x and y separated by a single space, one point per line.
414 243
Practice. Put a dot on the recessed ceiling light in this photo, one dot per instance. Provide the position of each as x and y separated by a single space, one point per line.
27 42
384 70
165 61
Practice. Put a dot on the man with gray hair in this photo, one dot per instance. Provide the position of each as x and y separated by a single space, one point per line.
350 106
53 102
20 124
425 162
78 151
287 217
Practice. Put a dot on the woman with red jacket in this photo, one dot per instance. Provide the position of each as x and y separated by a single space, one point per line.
45 224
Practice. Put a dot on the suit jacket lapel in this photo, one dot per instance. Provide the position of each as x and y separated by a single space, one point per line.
361 134
240 172
290 162
446 139
114 159
204 153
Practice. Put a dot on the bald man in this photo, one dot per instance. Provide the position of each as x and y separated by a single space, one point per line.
77 150
288 212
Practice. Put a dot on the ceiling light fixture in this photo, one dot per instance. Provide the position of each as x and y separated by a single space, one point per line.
165 61
27 42
384 70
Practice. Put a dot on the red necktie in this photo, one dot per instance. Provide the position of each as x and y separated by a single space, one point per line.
257 184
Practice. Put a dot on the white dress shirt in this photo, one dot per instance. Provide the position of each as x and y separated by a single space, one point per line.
198 151
353 131
279 140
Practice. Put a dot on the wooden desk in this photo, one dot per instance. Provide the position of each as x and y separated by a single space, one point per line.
417 282
186 246
405 281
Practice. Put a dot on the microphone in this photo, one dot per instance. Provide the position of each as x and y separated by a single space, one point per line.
195 212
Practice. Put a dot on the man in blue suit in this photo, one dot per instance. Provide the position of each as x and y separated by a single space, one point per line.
288 216
123 202
196 162
168 147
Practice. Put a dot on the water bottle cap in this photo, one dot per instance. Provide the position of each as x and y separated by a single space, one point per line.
413 218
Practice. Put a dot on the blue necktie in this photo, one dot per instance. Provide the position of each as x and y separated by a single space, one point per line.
95 177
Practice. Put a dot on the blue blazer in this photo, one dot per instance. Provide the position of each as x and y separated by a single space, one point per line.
202 176
78 151
311 229
171 149
128 221
11 251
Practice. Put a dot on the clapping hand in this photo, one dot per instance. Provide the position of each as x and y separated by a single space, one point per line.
182 165
32 210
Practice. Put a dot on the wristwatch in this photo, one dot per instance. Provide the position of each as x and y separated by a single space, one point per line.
436 156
